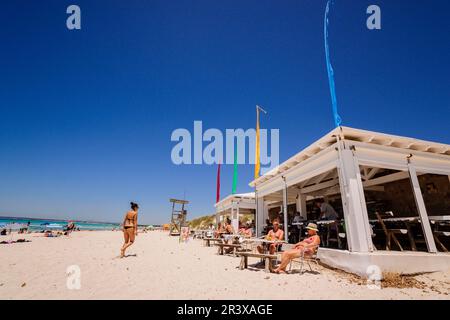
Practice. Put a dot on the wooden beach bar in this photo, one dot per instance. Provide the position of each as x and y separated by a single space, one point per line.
235 205
391 195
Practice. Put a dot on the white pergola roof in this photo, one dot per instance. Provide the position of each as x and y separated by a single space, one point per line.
241 200
356 135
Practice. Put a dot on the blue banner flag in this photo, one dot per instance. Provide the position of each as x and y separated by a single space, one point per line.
337 118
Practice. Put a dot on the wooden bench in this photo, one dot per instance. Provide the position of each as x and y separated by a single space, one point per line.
221 247
207 241
268 258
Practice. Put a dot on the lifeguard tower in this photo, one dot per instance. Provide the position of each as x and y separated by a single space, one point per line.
178 217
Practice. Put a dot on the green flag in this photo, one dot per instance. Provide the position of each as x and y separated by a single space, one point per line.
235 176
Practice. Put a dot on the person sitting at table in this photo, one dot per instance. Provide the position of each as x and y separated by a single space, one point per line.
307 247
220 229
297 227
327 212
228 227
276 234
246 230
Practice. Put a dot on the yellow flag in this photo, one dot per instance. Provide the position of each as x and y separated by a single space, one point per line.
257 160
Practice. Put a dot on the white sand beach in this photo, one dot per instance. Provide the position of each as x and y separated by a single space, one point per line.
158 267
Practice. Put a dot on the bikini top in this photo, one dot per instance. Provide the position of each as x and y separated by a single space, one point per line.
310 239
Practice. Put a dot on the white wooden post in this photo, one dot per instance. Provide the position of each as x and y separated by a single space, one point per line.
425 222
285 213
301 205
234 217
259 215
237 219
355 211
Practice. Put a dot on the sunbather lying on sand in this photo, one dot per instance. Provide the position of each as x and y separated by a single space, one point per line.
307 247
50 234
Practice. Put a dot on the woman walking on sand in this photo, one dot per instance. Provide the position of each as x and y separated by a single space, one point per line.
129 227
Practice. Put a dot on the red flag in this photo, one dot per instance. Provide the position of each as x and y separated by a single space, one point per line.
218 184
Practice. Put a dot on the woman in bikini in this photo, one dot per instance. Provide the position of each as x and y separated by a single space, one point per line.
129 227
308 246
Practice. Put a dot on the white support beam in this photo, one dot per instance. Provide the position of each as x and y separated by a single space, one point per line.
301 205
319 186
425 222
386 179
237 220
260 220
372 173
365 173
355 210
319 178
234 218
285 212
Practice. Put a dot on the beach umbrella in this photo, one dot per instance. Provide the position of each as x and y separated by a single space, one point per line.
53 226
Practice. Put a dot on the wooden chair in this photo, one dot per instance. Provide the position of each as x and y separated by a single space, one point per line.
333 234
440 233
391 234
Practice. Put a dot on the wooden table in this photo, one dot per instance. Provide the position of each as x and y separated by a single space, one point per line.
264 241
207 241
221 247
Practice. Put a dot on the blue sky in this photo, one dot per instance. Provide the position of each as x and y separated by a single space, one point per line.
86 116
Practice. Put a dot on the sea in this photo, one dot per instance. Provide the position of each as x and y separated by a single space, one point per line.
51 224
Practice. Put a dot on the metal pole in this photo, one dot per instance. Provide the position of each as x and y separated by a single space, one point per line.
285 207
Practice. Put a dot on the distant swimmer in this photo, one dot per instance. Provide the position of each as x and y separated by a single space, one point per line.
130 225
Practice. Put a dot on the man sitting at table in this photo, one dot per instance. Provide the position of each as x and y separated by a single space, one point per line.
220 229
327 212
307 247
276 234
228 227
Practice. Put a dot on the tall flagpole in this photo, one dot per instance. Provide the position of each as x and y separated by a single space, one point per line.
235 171
218 184
257 161
257 147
